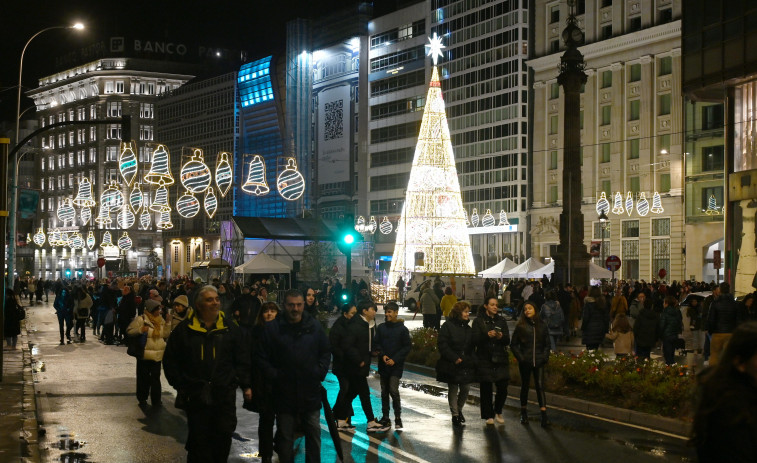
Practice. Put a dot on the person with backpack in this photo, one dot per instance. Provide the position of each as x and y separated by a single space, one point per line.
83 305
671 325
553 316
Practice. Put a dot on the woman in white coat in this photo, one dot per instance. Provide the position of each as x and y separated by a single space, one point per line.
148 367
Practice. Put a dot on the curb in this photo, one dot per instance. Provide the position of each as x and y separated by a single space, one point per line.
29 429
678 428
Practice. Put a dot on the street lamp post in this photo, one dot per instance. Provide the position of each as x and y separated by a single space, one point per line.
14 174
603 225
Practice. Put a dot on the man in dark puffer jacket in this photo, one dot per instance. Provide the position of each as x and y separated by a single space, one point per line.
723 319
393 344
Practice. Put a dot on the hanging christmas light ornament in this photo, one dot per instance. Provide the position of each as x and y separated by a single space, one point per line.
195 174
111 198
224 174
712 206
54 239
629 203
39 237
103 216
372 226
159 167
136 198
465 214
66 212
617 207
107 240
187 205
125 217
164 222
91 241
474 218
360 224
656 204
160 204
503 222
145 220
210 203
291 183
76 241
127 162
386 227
602 204
86 214
256 183
642 205
488 219
124 243
84 197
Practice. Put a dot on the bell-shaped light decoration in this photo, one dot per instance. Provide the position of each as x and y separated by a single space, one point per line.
385 227
164 222
111 198
629 203
125 218
256 183
465 215
127 163
55 237
187 205
124 242
76 241
210 203
474 217
145 220
360 224
195 174
488 219
371 228
103 216
712 206
66 211
224 173
91 241
503 222
84 196
160 204
617 207
642 205
159 168
39 237
603 204
86 214
656 204
136 198
291 183
107 240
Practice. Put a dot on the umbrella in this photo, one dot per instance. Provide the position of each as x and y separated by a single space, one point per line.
331 422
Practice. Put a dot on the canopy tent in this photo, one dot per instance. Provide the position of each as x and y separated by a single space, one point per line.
530 265
597 273
548 270
215 268
262 263
498 270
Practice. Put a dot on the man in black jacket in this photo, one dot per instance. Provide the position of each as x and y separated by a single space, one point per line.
393 344
342 407
127 310
206 359
722 320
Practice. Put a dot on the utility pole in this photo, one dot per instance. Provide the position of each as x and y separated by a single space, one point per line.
4 145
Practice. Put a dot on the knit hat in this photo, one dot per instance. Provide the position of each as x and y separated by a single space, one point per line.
155 295
151 304
181 300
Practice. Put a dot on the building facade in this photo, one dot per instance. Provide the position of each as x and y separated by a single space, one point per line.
631 133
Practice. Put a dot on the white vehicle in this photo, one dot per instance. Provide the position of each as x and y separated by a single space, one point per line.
466 288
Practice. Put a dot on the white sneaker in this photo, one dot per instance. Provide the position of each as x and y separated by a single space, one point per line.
490 422
374 426
500 419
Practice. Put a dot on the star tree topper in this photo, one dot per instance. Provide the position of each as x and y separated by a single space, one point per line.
435 47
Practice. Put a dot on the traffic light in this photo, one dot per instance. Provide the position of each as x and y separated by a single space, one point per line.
126 128
347 237
344 297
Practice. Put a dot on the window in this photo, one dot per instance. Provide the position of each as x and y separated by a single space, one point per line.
630 256
580 7
92 133
712 117
605 157
606 112
606 79
146 110
145 132
606 3
664 183
661 227
663 144
120 86
145 152
554 46
660 255
607 188
707 193
664 104
635 184
189 251
93 155
634 74
554 14
71 159
553 124
114 131
634 110
634 24
176 253
633 148
111 153
607 32
93 112
666 15
666 65
554 91
712 158
109 86
113 109
581 122
552 194
552 160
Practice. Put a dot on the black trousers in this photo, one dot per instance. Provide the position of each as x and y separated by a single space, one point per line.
211 427
148 381
343 405
359 387
81 328
526 371
265 433
489 409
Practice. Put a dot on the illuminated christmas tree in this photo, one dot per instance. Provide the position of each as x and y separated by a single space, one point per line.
433 218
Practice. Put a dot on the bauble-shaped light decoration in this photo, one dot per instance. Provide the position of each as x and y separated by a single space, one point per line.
111 198
103 216
195 174
474 217
372 226
488 219
224 173
656 204
86 215
256 183
125 217
54 237
617 207
712 206
187 205
66 212
127 163
160 204
210 203
465 215
159 170
91 241
385 227
164 223
503 222
642 205
145 220
629 203
107 240
84 196
76 241
360 224
602 204
291 183
124 242
136 198
39 238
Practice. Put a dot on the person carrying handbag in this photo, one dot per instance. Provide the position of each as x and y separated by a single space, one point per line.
157 330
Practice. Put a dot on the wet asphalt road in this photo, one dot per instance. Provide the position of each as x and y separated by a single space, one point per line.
89 411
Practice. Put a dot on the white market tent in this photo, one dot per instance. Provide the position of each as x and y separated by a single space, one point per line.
498 270
262 263
530 265
548 270
595 271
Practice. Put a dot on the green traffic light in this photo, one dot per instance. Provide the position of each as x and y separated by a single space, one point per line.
344 297
349 239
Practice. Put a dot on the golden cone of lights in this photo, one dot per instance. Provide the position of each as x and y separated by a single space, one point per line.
433 219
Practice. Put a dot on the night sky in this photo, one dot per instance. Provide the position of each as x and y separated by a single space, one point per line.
255 26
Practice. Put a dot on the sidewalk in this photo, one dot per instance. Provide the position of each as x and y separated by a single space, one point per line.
18 419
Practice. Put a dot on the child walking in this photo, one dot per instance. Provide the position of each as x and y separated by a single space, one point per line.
621 336
393 345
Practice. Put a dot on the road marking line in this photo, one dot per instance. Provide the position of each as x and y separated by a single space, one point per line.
381 445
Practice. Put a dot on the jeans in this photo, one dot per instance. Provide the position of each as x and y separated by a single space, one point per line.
390 385
456 396
668 351
553 340
148 381
488 410
526 371
63 318
211 427
311 427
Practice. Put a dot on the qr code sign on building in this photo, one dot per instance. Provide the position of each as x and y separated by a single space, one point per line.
334 125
